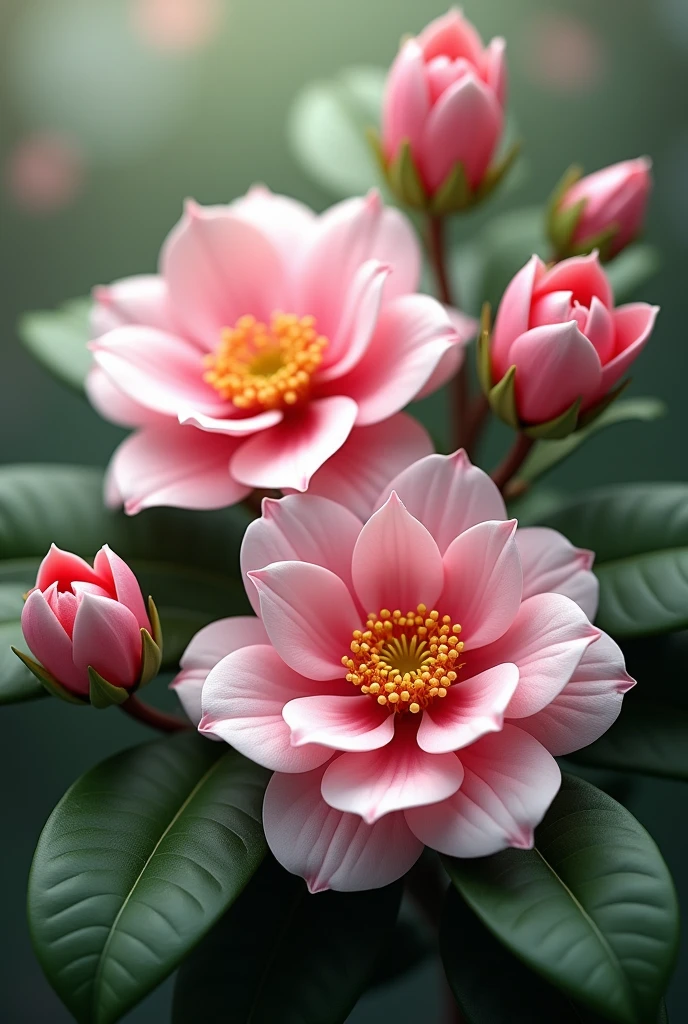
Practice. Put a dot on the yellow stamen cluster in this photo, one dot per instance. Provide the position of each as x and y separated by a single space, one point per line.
405 661
259 367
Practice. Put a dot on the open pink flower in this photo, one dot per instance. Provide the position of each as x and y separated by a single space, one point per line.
269 338
411 677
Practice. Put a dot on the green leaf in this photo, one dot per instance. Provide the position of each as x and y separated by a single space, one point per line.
327 130
639 533
547 454
58 339
308 960
138 860
17 683
631 269
473 959
591 908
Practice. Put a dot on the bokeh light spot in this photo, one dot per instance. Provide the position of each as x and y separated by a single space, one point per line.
564 53
44 172
177 25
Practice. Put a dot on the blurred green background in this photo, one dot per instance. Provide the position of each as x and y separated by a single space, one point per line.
112 111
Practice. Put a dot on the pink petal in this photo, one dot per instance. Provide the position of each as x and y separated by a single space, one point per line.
287 223
120 580
242 702
494 70
589 703
547 640
160 371
234 426
551 308
113 405
332 850
633 324
134 300
472 708
300 528
309 615
396 563
347 235
599 329
356 474
483 582
555 365
289 454
64 568
509 783
581 275
107 638
341 723
551 564
358 321
413 335
448 495
400 775
451 35
50 644
464 126
219 267
406 101
513 315
174 465
447 368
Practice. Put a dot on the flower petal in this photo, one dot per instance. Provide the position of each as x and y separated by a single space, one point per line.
406 101
50 644
448 495
355 475
494 68
341 723
453 36
398 776
551 564
555 365
589 703
234 426
122 583
309 615
633 323
64 568
483 582
464 126
599 329
358 321
509 783
288 455
106 637
300 528
219 267
396 563
581 275
513 315
142 299
113 405
287 223
242 702
332 850
472 708
174 465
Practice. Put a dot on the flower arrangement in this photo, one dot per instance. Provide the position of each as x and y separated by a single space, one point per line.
394 666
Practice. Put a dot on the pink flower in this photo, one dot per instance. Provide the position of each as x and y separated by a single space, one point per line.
445 96
269 339
609 207
568 342
409 679
79 617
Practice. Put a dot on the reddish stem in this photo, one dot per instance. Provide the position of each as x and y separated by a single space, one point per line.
151 716
512 462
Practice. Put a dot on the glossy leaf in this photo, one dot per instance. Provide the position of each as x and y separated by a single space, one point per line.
138 860
58 338
639 533
16 681
282 954
591 908
548 454
473 959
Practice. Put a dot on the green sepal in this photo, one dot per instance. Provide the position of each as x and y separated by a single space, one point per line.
104 694
562 224
151 659
156 628
375 142
404 179
557 428
591 414
601 242
502 399
453 195
496 173
51 684
484 363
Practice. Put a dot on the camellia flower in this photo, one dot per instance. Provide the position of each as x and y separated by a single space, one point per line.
604 210
443 117
269 338
89 628
559 345
409 679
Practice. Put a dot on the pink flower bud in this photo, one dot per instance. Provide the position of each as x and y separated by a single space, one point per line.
560 329
79 617
444 96
604 210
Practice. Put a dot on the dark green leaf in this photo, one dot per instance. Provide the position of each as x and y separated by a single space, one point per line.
138 860
639 533
308 960
492 986
58 338
591 908
16 681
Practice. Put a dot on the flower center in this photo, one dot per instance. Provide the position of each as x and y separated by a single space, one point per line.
260 367
405 661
